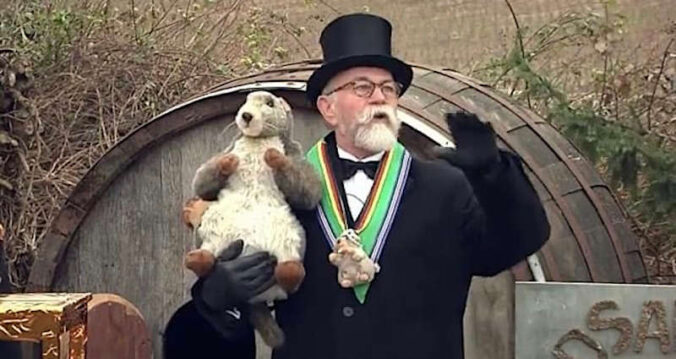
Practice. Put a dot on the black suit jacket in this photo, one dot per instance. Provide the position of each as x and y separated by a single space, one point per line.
445 231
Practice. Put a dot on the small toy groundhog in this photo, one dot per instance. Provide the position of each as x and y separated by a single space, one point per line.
354 266
247 193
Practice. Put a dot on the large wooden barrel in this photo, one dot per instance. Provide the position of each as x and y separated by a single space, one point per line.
119 232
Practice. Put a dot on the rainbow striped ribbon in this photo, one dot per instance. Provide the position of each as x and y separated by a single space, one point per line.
375 221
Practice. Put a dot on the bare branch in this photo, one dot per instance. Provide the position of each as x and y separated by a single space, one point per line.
519 37
657 81
329 6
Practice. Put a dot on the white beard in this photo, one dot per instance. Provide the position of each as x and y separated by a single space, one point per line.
379 136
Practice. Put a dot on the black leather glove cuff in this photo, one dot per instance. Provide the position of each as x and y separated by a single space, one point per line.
230 322
488 171
467 163
501 177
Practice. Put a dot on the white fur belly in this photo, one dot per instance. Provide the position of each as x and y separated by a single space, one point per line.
252 208
268 228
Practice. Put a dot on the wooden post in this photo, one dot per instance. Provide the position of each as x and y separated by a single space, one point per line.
116 329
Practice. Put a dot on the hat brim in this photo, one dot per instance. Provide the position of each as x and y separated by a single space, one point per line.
401 72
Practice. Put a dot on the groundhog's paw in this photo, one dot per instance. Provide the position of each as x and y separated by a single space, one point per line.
227 165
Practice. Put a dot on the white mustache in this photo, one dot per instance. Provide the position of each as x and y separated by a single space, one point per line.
371 112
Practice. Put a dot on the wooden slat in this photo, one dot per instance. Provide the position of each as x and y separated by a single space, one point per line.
439 109
572 265
537 149
439 83
418 98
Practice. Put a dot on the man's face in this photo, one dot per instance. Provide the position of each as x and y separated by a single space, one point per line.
368 123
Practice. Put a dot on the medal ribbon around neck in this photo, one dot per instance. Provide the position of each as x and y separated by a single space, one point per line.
375 221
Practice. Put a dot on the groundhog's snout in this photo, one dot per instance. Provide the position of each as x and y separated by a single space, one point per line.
247 117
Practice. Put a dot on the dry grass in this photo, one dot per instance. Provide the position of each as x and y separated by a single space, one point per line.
78 77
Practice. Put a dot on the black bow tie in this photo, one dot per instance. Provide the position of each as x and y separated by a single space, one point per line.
351 167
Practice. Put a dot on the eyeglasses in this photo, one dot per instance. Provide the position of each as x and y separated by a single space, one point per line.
365 88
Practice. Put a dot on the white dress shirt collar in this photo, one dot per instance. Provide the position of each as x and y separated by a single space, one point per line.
348 156
357 187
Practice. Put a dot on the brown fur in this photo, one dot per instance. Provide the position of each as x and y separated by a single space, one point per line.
200 261
192 212
261 318
290 275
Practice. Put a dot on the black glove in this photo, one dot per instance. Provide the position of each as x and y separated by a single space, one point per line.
234 279
476 151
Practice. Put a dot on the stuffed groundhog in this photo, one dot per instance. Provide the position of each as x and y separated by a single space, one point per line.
247 193
354 265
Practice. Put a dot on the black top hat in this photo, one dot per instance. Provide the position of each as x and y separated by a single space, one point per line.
356 40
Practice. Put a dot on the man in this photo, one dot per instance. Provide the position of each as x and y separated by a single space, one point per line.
430 226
